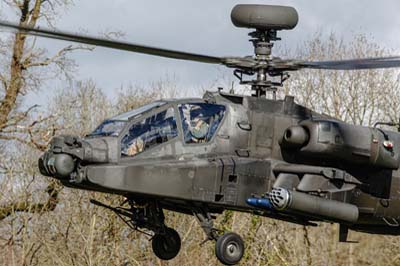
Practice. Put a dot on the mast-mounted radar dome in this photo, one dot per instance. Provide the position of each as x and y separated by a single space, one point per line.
264 17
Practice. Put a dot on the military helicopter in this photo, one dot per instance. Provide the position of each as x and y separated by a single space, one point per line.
226 151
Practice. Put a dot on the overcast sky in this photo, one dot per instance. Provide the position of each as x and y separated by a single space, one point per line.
204 27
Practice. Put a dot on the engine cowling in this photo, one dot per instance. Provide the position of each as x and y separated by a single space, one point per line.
334 141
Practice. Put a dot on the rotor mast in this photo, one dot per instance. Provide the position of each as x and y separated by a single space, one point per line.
263 43
267 21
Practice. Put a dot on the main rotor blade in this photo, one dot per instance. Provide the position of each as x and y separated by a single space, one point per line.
131 47
354 64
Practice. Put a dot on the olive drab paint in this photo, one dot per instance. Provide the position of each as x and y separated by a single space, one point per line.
325 157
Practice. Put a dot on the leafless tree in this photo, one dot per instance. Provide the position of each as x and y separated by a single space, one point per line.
360 97
25 67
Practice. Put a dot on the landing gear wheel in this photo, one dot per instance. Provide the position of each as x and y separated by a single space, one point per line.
229 248
166 246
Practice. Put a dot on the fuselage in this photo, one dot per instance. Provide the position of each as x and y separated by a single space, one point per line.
223 149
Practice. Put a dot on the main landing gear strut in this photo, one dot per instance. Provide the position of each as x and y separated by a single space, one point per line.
165 241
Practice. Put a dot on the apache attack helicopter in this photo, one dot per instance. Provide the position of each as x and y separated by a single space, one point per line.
268 157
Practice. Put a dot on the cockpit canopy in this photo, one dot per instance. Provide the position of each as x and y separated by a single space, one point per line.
114 125
149 132
138 111
108 128
200 121
146 127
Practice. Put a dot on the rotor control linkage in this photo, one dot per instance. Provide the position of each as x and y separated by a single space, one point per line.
263 64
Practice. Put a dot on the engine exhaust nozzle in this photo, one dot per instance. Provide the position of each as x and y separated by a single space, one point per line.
295 137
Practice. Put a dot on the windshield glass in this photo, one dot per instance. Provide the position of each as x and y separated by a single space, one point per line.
149 132
109 128
200 121
114 125
133 113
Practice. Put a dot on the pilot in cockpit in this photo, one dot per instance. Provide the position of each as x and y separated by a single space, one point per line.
137 146
199 129
197 124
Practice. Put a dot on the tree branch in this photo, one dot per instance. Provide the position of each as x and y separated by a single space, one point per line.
28 64
3 81
53 190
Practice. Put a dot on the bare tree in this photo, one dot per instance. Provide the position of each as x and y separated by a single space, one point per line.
360 97
25 67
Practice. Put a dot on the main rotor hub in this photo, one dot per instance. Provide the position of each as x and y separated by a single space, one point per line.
267 20
263 66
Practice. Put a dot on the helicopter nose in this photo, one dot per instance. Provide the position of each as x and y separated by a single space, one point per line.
56 165
66 152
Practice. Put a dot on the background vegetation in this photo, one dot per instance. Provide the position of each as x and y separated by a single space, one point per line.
42 223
